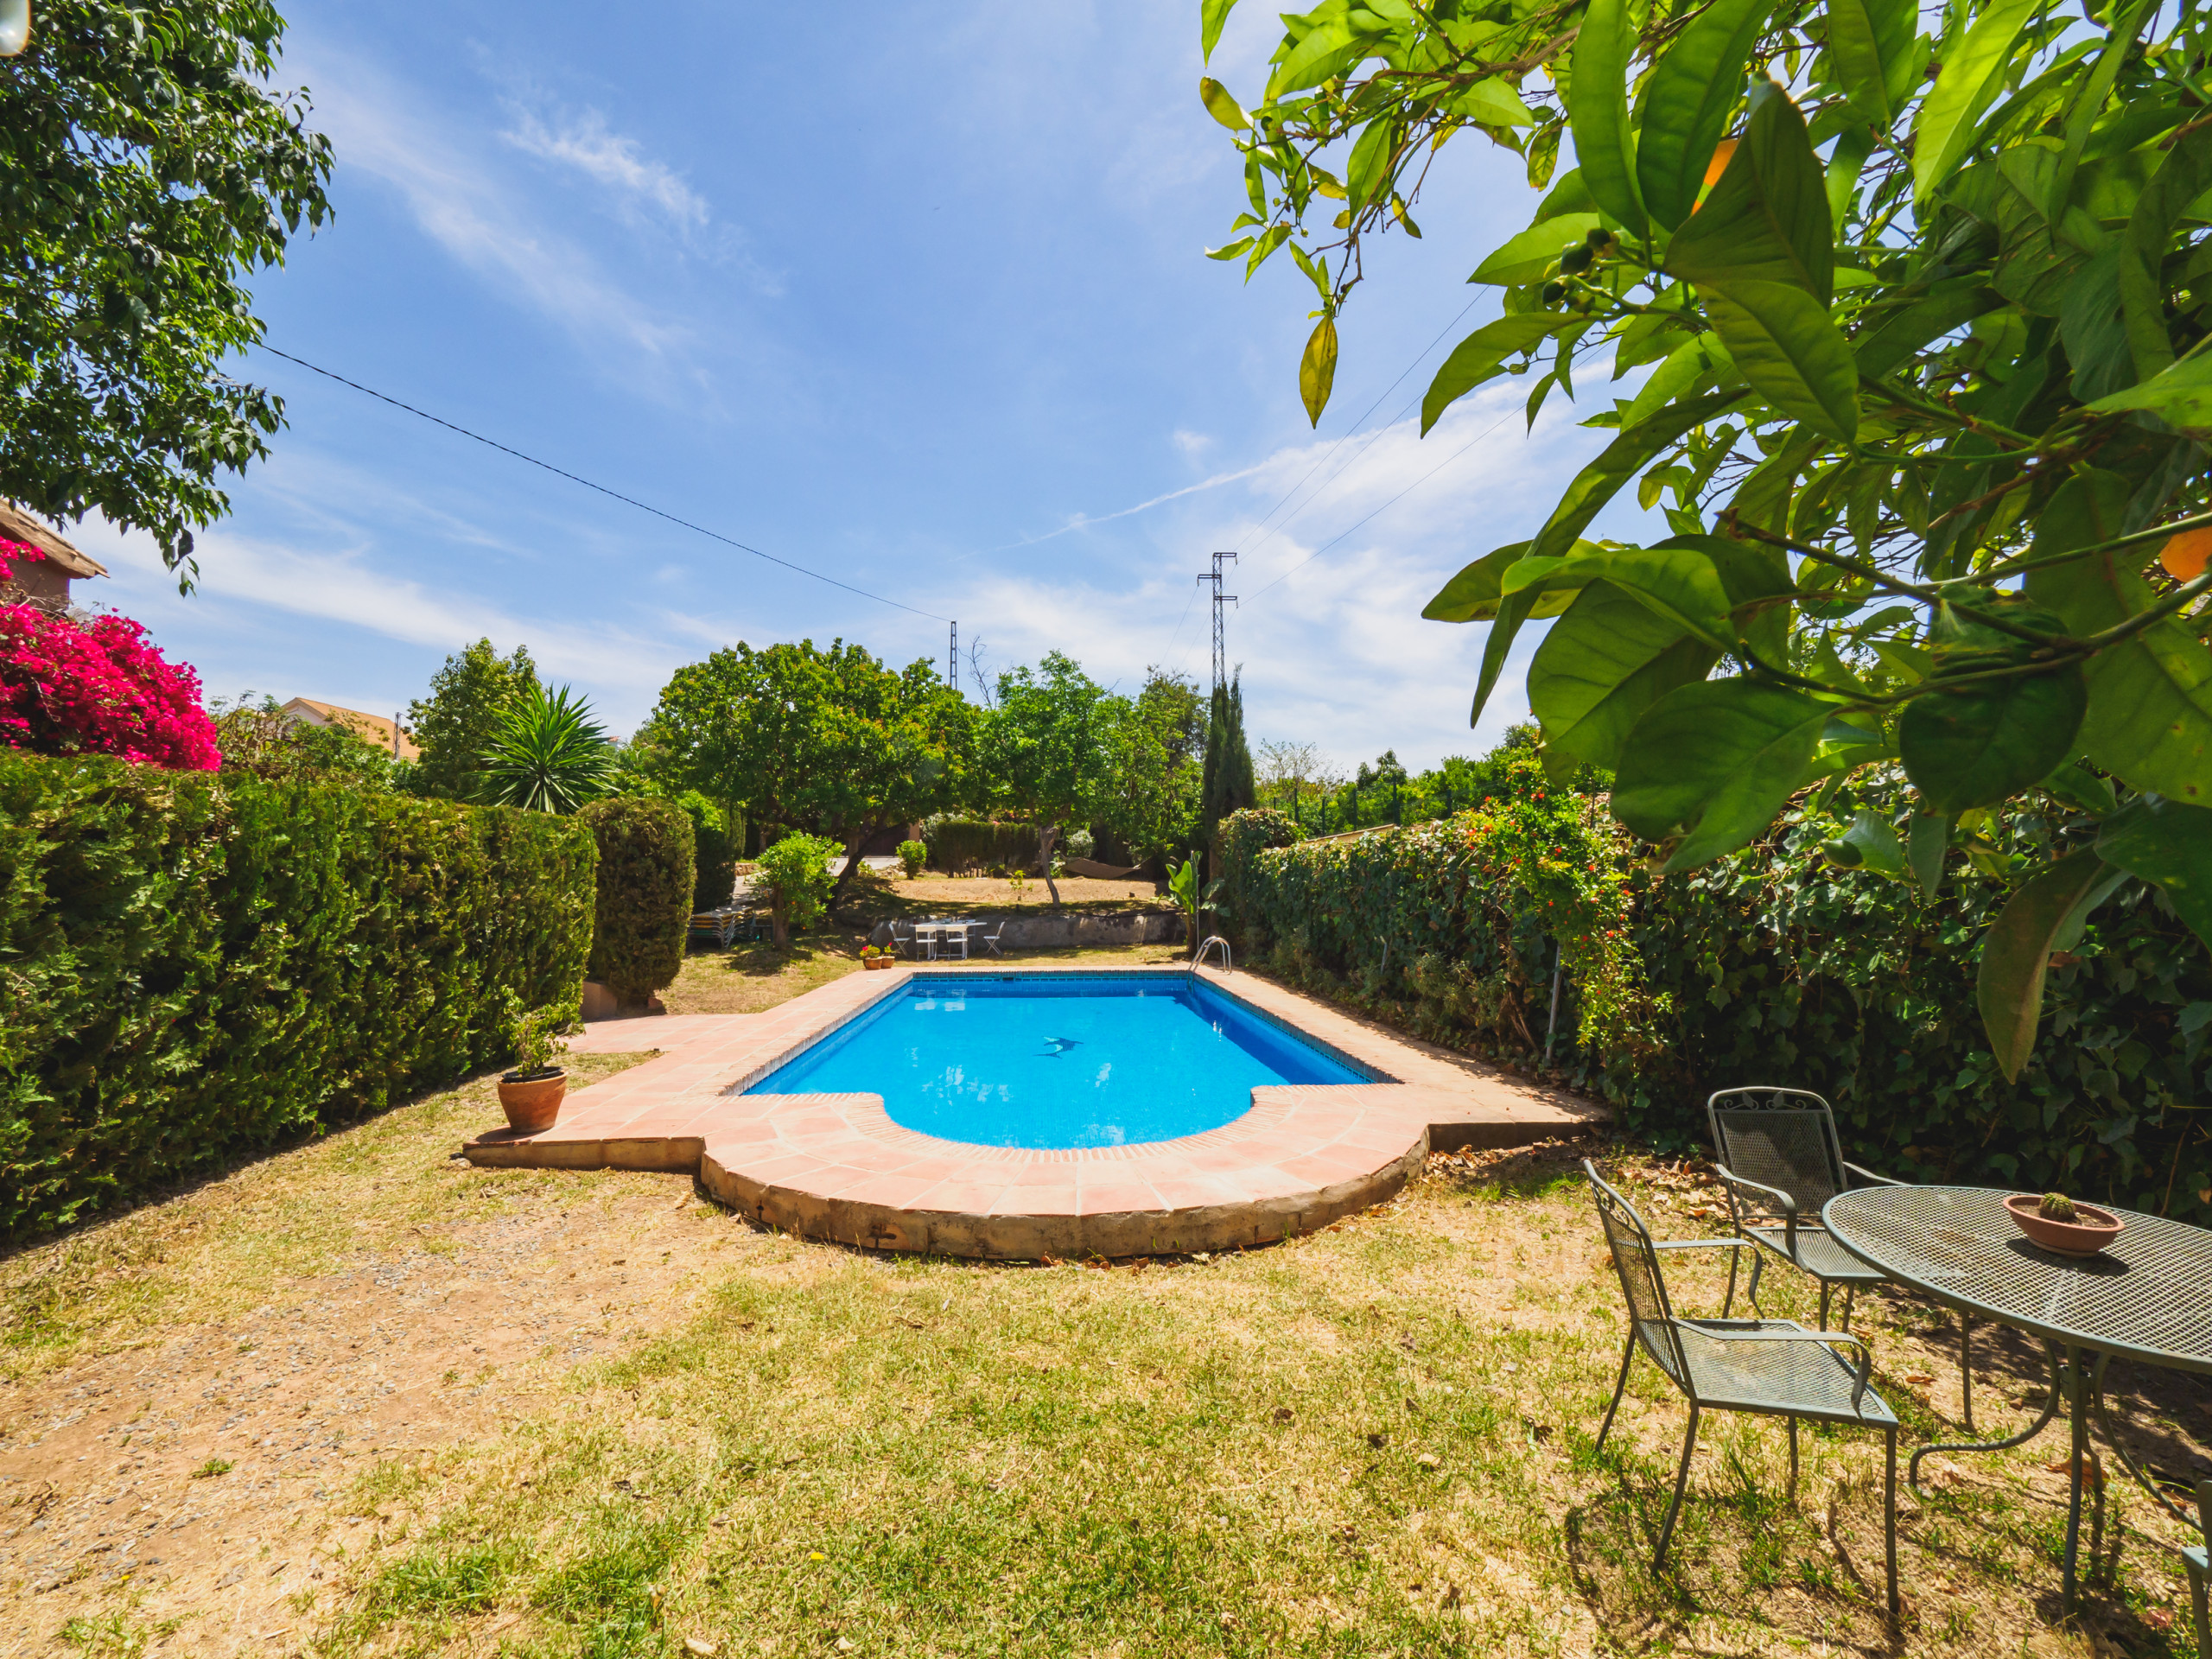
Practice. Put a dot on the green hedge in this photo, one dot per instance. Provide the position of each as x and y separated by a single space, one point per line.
646 872
192 963
715 852
1769 966
957 844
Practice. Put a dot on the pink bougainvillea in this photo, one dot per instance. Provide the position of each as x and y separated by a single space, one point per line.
11 551
99 688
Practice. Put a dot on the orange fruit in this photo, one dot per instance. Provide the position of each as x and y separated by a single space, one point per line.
2184 555
1718 164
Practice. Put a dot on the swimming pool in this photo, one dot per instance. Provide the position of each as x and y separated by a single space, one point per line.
1059 1061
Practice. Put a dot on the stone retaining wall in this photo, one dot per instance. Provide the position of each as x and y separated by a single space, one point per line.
1046 931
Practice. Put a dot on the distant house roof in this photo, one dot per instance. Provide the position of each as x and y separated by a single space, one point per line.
375 728
17 525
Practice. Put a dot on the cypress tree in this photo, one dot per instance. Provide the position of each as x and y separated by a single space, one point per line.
1227 785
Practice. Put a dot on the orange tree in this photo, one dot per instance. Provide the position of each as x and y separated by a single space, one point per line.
1921 306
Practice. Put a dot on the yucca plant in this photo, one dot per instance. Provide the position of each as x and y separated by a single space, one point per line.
549 754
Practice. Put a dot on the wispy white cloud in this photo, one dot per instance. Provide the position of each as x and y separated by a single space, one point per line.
641 186
349 586
1329 633
462 206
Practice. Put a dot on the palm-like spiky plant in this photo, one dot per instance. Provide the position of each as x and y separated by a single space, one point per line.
549 754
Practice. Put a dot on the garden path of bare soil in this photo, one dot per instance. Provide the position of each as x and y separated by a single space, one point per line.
424 1333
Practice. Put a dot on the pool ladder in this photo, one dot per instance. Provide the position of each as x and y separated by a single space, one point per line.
1212 940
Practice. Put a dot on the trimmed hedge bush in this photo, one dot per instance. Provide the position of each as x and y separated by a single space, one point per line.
957 844
1769 966
646 875
191 965
714 852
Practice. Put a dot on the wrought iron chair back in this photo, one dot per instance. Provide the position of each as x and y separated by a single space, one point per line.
1781 1138
1643 1285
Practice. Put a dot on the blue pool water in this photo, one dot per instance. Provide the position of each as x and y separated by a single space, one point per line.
1029 1061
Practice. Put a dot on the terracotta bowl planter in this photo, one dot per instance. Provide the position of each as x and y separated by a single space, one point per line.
877 964
2096 1227
532 1104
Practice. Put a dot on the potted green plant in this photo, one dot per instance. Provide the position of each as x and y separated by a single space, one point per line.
2065 1225
877 958
531 1094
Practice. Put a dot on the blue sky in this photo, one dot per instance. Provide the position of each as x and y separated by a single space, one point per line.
915 296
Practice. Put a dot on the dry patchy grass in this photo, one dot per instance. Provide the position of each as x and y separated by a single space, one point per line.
1374 1440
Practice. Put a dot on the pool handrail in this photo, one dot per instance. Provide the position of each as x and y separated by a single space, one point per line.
1227 965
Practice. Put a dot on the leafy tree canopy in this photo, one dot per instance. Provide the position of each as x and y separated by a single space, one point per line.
456 723
830 740
1923 306
146 168
1053 749
1162 745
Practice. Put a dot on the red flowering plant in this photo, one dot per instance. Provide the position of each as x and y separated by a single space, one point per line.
96 687
12 552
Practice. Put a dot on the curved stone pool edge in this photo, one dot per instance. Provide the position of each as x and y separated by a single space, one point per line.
834 1167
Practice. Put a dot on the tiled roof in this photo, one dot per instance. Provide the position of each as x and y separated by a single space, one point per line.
17 525
375 728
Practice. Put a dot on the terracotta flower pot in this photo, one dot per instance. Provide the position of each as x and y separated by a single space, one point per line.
875 964
532 1104
2093 1230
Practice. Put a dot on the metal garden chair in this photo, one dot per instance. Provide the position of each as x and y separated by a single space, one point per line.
991 941
1780 1161
902 936
1775 1367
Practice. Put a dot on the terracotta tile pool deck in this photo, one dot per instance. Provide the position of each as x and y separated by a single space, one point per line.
836 1167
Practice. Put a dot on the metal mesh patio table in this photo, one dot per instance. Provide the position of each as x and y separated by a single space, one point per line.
2147 1297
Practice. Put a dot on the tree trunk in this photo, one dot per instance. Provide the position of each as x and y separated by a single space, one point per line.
1045 836
859 839
782 927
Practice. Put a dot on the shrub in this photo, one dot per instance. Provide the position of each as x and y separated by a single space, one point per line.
547 752
715 851
193 964
97 688
646 878
913 854
794 875
1771 965
1451 927
259 738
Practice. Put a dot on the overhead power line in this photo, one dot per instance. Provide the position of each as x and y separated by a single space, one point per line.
1351 431
627 500
1402 494
1328 455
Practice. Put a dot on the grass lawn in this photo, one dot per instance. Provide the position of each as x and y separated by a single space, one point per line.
357 1398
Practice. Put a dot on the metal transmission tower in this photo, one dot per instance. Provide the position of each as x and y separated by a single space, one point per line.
1220 630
